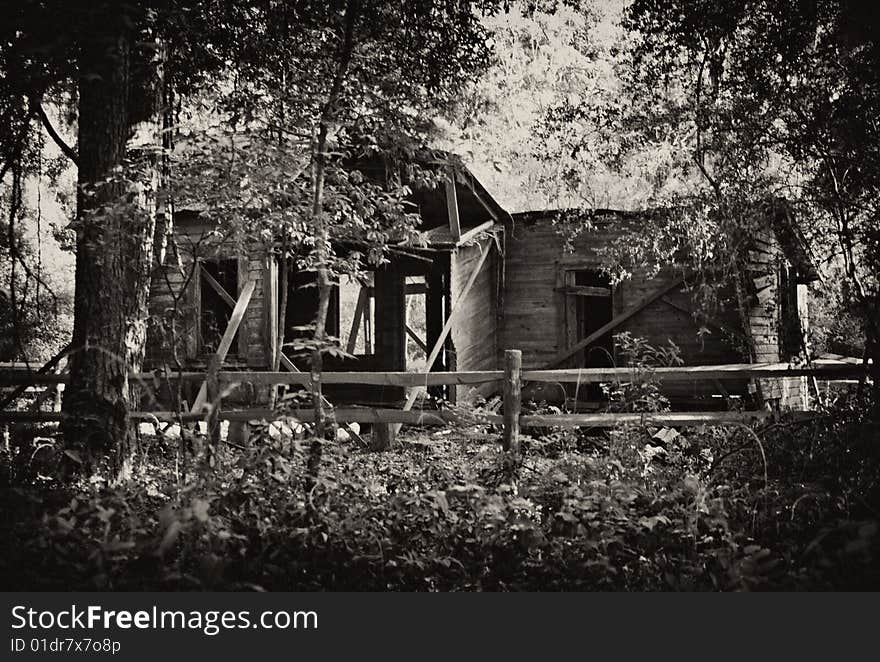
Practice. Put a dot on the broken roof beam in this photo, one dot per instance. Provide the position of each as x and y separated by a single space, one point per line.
480 194
452 207
475 232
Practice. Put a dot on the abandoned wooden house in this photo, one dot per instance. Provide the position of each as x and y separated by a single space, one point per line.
439 301
485 281
562 311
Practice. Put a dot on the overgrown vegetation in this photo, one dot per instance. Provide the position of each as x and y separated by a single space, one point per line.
791 505
269 116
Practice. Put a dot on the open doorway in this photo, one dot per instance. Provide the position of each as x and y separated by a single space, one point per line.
301 311
593 310
588 307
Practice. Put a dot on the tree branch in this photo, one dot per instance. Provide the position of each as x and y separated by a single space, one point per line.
699 154
53 134
345 56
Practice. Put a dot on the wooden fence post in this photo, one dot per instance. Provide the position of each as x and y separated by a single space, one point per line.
512 400
212 391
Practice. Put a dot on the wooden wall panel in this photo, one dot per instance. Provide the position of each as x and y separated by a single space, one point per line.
474 332
535 315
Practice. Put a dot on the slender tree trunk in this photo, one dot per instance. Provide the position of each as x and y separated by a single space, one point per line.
322 236
119 99
284 287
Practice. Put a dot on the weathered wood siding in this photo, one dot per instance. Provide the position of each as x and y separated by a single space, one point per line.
763 273
535 316
475 330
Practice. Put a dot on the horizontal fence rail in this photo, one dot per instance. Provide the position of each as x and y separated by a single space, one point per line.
510 381
819 369
429 417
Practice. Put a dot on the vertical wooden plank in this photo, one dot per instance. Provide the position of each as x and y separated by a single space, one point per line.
452 207
194 318
567 333
500 305
270 316
212 393
390 337
475 335
512 400
369 347
243 274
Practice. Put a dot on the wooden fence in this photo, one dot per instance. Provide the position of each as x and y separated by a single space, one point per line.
510 379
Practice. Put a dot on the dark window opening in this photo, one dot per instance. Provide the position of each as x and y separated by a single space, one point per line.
215 311
594 309
590 307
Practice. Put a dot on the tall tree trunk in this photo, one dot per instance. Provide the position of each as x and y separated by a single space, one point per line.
119 100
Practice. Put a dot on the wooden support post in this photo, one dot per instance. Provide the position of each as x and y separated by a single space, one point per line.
390 337
362 303
512 400
212 391
383 436
434 303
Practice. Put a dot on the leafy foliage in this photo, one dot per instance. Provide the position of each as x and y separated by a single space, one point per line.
788 506
641 393
737 103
